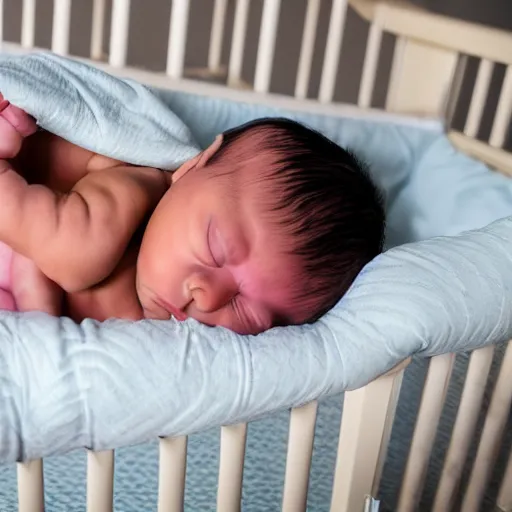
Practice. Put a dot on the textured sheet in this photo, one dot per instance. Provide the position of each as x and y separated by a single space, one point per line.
107 385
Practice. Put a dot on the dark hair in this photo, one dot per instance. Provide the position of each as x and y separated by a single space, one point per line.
327 203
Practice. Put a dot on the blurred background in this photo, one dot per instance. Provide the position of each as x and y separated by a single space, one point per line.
150 19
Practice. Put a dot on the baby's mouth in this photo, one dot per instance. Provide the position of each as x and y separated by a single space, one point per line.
171 310
175 312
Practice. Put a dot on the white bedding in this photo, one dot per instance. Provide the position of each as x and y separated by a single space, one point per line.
108 385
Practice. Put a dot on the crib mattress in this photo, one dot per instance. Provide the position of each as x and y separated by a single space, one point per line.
431 190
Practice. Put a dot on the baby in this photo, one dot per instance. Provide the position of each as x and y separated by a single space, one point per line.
268 226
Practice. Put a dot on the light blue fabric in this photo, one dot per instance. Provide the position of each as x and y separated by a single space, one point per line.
107 385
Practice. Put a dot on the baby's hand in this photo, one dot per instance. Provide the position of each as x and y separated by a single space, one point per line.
15 125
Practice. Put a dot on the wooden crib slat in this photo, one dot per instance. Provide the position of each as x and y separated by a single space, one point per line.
119 32
505 496
364 436
480 92
28 23
100 481
396 72
60 27
30 486
98 24
172 472
371 60
503 112
332 51
231 468
497 158
495 421
307 49
238 43
432 401
464 428
177 38
266 45
217 35
298 460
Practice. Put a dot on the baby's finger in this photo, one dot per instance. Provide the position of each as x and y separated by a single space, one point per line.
24 124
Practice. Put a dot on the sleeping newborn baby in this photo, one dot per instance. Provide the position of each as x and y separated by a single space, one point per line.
268 226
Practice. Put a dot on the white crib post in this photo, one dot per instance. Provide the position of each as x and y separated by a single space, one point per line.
332 52
366 423
432 401
98 23
30 486
238 43
231 467
60 29
307 49
488 447
298 460
371 60
100 481
266 46
217 35
172 473
28 23
177 38
119 32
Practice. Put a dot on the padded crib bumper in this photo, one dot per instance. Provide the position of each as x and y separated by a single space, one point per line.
107 385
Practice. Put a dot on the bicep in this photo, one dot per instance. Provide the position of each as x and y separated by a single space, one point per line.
49 160
78 238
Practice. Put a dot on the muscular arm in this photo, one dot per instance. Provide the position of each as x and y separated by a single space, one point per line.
77 238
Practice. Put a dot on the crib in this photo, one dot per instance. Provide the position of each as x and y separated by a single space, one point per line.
426 76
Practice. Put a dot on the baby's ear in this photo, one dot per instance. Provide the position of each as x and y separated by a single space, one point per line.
199 160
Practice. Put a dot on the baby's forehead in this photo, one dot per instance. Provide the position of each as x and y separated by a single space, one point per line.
250 159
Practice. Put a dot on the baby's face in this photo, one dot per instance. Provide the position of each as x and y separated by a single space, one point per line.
209 253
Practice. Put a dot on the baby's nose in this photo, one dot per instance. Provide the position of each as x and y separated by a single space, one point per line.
212 291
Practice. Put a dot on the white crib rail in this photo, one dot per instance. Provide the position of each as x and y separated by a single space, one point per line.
365 430
427 420
490 442
231 468
298 459
60 29
464 428
332 51
31 486
100 481
97 27
171 477
119 32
